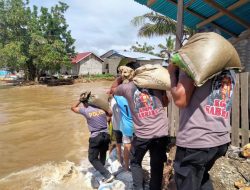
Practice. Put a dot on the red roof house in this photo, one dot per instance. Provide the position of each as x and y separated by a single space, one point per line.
86 63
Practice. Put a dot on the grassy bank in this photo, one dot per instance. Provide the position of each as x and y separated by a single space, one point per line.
100 76
89 78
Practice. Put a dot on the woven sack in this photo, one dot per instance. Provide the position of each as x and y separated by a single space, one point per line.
206 55
152 77
100 100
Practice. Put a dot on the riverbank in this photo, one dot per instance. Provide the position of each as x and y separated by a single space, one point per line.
56 82
69 175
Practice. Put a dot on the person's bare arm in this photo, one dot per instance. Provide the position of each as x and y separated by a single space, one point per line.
108 119
108 115
182 86
165 100
115 84
75 107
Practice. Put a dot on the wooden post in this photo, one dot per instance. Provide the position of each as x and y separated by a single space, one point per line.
179 28
244 108
236 114
179 35
170 131
175 118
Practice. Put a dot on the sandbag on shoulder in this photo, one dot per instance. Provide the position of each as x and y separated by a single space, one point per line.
152 77
206 55
100 100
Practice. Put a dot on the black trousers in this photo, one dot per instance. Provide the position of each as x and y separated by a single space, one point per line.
192 166
98 147
157 150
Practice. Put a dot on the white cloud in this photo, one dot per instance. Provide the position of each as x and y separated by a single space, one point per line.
101 25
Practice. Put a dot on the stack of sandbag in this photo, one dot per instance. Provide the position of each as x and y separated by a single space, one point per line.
206 55
152 77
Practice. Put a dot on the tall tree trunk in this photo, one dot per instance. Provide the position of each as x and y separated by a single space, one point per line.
31 70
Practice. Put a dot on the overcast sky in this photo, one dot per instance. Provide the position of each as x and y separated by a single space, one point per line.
101 25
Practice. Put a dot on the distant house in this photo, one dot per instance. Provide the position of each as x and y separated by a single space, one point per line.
84 64
112 59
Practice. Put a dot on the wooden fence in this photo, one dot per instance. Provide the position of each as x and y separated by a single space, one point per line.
240 134
240 111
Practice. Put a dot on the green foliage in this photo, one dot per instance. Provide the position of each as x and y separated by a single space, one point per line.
168 48
145 48
12 54
33 40
153 24
106 76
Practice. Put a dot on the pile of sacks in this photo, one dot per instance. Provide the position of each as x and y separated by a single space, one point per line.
204 56
147 76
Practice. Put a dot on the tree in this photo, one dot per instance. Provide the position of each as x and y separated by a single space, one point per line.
167 49
12 56
153 24
13 33
145 48
32 40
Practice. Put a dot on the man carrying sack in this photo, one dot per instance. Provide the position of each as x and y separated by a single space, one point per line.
204 131
151 129
99 138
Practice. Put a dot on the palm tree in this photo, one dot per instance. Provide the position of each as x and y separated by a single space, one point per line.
168 48
144 48
153 24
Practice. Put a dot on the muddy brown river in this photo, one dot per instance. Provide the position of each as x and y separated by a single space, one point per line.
37 126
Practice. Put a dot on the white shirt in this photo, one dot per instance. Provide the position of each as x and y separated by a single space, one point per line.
116 116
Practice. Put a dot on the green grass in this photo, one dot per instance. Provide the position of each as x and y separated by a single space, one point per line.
99 76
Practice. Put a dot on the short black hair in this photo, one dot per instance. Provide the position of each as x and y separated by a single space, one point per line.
133 65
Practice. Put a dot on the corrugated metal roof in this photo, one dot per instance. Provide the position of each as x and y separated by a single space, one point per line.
135 55
138 55
205 10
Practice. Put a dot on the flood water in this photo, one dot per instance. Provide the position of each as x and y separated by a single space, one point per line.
37 126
